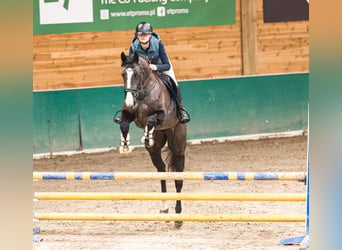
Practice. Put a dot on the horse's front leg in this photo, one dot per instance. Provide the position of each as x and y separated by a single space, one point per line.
126 119
125 147
147 138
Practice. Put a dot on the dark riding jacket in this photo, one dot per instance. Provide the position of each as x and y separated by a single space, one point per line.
155 52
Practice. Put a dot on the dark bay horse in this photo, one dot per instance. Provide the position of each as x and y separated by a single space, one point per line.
148 104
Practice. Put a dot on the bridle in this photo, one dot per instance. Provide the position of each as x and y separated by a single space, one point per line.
140 93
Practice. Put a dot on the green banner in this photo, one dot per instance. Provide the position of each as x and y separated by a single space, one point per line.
64 16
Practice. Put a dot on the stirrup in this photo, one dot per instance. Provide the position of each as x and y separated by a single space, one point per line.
117 119
183 116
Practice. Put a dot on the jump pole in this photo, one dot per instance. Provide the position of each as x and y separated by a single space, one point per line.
208 196
171 217
303 240
239 176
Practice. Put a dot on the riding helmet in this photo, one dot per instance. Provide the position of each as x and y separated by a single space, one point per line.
143 28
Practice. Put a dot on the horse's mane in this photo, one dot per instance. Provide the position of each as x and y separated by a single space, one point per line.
145 59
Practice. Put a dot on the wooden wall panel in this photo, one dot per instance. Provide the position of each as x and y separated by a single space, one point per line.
249 37
282 47
91 59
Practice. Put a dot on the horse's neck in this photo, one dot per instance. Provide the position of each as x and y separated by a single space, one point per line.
152 81
149 78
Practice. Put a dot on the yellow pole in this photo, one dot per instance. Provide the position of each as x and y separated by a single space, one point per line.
172 217
208 196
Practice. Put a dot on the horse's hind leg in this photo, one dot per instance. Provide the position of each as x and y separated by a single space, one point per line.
178 163
177 146
155 155
158 162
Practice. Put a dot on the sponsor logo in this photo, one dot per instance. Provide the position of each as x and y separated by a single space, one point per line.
65 11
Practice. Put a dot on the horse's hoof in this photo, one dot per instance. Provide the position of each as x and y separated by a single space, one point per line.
149 143
178 224
164 211
125 150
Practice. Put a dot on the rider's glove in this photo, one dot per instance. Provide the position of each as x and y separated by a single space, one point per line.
153 67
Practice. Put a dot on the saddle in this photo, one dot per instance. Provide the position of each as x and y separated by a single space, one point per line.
170 85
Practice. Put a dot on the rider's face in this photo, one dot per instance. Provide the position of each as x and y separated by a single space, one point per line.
144 39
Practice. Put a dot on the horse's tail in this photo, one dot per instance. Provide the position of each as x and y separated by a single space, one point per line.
175 163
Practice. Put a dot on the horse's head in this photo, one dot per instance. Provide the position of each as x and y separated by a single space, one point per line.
135 73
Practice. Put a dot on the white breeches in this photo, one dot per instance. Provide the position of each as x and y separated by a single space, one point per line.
171 73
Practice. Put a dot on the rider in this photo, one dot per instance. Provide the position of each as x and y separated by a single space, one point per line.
148 43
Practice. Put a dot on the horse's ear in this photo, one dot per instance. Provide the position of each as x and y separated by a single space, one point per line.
123 58
136 57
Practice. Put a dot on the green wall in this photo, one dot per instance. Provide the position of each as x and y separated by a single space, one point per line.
68 119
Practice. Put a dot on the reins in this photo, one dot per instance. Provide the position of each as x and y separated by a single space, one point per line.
140 93
146 92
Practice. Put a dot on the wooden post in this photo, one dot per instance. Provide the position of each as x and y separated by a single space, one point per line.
249 37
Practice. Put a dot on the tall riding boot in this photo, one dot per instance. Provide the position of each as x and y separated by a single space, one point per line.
183 115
